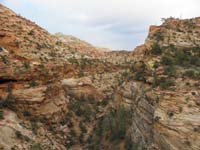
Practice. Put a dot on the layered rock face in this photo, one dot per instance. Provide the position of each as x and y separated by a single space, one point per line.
51 94
171 60
180 33
58 92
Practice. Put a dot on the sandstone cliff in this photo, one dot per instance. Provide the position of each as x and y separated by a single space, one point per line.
60 93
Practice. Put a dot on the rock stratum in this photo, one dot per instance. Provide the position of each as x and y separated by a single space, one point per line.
58 92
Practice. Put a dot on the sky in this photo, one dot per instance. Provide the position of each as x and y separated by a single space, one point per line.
115 24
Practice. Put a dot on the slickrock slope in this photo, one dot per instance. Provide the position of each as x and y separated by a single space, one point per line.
80 46
58 92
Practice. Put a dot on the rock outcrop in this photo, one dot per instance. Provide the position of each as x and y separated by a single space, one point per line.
58 92
173 111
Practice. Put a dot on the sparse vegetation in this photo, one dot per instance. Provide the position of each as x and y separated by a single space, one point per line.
31 32
164 83
156 49
34 125
4 60
81 109
52 54
104 102
20 136
181 57
32 83
129 144
173 59
76 107
194 74
8 103
170 70
129 93
159 36
139 70
1 115
125 74
114 125
166 60
26 65
35 146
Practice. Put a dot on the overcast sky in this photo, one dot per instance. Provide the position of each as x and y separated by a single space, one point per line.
116 24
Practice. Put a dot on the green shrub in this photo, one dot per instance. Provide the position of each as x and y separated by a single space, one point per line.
125 74
91 99
26 114
167 83
195 60
104 102
139 72
192 74
159 36
32 83
156 64
156 49
187 57
31 32
184 57
170 71
118 127
99 129
81 109
34 125
3 58
26 65
20 136
8 103
80 74
35 146
52 54
82 127
114 125
129 145
163 82
76 107
197 84
139 76
1 115
166 60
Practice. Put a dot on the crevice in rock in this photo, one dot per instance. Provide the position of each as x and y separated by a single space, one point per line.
3 81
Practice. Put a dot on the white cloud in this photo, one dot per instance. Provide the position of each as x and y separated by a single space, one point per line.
118 24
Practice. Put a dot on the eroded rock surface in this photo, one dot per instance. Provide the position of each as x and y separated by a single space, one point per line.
61 93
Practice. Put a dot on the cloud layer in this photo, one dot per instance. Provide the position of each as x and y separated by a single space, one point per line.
116 24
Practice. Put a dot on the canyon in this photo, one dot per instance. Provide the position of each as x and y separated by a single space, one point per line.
58 92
